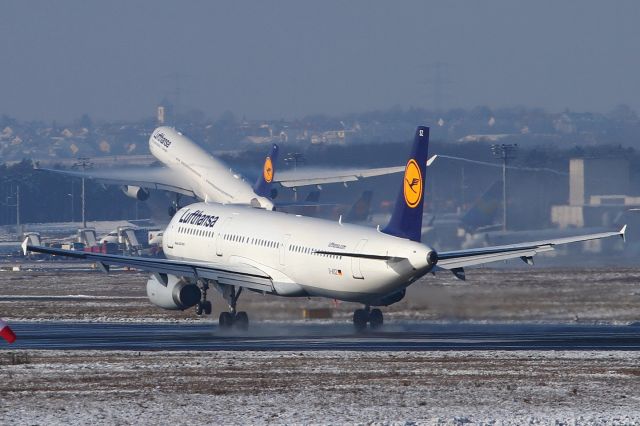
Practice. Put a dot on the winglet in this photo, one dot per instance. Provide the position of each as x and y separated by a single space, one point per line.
24 246
623 232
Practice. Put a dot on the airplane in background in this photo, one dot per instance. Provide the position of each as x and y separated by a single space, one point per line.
190 170
234 247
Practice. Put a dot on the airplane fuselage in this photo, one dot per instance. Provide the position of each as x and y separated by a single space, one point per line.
284 247
210 178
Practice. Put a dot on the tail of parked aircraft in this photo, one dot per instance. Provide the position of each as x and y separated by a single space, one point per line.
484 212
262 186
359 211
406 220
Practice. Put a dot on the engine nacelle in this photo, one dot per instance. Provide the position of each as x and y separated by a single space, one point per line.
140 194
172 293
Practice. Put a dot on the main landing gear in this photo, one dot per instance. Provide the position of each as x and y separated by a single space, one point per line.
239 320
367 315
203 306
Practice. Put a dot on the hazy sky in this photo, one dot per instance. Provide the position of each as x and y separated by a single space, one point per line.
284 59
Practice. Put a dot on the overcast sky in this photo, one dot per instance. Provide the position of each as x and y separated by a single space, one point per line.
285 59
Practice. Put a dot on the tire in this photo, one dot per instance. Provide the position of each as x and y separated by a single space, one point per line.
360 318
225 320
242 321
206 307
376 319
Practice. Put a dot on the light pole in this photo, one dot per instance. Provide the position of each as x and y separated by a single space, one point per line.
85 164
16 205
295 158
505 152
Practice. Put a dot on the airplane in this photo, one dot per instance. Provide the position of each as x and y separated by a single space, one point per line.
190 170
232 248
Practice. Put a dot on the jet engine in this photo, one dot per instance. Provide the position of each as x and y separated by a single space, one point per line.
172 293
140 194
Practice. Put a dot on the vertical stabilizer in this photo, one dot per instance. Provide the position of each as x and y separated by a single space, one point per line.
262 186
406 220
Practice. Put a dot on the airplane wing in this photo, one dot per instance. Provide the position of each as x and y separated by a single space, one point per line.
161 178
456 260
240 274
306 177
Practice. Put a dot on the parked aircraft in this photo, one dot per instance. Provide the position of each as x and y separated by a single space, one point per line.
231 248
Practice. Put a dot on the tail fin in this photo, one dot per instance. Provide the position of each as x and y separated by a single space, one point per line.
484 211
359 211
406 220
262 186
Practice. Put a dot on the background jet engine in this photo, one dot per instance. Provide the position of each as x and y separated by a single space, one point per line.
140 194
172 293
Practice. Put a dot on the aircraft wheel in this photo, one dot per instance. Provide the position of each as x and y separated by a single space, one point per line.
242 321
206 307
376 319
225 320
360 318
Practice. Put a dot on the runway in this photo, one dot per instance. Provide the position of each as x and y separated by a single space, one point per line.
270 336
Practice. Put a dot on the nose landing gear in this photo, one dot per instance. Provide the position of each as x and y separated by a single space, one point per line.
367 315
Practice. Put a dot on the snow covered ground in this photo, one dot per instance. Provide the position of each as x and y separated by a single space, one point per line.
446 388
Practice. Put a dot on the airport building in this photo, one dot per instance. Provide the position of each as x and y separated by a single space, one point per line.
598 193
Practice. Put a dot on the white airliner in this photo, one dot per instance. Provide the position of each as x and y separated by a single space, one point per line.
232 247
192 171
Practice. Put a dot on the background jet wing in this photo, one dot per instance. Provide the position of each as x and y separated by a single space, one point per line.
161 178
309 176
305 177
238 274
462 258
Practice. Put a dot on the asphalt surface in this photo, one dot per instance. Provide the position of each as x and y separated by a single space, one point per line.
406 336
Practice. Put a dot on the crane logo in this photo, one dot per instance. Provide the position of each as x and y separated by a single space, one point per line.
412 184
267 171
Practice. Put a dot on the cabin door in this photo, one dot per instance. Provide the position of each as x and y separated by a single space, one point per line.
283 248
355 261
220 235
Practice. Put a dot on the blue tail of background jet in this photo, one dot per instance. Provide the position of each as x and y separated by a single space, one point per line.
406 220
483 214
262 186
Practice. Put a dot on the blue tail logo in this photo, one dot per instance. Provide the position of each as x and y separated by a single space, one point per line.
406 219
267 170
262 186
412 184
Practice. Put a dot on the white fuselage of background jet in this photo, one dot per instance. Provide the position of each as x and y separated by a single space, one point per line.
211 179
